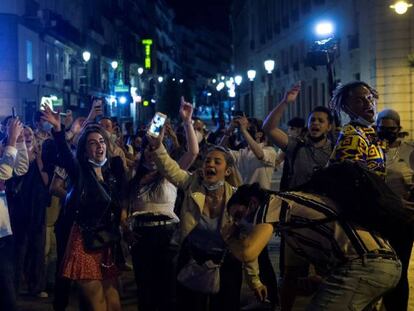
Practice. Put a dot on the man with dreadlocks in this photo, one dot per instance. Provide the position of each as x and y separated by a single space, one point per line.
358 140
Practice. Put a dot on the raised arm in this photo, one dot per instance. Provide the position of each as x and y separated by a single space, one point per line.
166 165
8 159
243 124
272 122
68 160
186 113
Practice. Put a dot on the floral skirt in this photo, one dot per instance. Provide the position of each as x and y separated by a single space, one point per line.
81 264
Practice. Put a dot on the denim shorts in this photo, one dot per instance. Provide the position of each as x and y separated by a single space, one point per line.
357 284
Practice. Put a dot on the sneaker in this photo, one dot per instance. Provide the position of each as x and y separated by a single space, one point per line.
42 295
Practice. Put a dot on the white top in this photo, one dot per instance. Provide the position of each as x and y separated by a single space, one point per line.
12 160
400 169
158 201
252 169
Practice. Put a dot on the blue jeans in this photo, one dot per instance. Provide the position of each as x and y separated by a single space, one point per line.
7 289
357 284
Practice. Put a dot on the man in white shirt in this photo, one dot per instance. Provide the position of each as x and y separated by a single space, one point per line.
14 159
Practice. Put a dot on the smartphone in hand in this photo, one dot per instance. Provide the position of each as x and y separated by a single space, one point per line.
156 125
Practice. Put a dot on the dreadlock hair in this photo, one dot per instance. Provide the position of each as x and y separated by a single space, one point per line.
341 93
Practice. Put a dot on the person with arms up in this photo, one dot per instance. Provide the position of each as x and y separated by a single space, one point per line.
14 160
98 198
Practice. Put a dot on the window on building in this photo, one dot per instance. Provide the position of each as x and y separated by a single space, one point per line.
323 94
357 76
315 92
310 98
29 60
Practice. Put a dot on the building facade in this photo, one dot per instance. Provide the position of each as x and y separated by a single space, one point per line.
373 44
42 54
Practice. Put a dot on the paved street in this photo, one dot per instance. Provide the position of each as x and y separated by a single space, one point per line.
129 290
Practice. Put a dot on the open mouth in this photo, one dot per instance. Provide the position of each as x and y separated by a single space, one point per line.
210 172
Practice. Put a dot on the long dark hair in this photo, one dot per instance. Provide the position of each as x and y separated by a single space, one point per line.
83 140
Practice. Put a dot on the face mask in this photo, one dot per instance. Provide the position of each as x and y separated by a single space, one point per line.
391 137
317 139
213 187
46 126
357 119
97 164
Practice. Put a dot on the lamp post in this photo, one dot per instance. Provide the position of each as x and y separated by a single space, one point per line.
251 74
401 7
238 80
269 66
83 79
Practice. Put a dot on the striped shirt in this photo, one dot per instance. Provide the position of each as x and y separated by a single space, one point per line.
312 231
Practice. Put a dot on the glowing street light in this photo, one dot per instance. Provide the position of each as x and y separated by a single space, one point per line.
238 79
401 7
229 84
324 29
86 55
160 79
220 86
122 100
251 74
140 70
181 80
269 65
114 64
214 81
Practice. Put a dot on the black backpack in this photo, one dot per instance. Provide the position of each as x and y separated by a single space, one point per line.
363 198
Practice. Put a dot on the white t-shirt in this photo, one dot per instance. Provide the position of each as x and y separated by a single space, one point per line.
158 201
252 169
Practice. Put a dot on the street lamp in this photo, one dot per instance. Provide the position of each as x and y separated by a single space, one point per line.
220 86
269 66
401 7
238 79
140 70
114 65
160 79
86 55
251 74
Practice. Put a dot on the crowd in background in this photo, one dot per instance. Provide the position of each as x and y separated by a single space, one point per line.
82 197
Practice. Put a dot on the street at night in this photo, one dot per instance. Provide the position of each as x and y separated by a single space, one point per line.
211 155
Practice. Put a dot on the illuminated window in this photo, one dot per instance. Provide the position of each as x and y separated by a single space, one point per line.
29 60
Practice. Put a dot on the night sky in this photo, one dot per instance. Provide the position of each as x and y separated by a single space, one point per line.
213 14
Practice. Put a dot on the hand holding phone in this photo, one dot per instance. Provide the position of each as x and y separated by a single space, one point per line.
157 124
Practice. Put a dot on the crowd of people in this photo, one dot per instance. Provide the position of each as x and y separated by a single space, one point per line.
194 210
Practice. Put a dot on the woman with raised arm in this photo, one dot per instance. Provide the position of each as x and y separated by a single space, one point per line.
202 218
153 223
96 199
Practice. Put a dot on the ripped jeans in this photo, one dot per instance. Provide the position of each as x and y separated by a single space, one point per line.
358 284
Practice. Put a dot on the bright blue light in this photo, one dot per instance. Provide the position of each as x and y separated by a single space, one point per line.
122 99
324 29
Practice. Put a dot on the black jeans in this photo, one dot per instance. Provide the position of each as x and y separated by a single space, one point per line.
227 299
7 276
154 258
